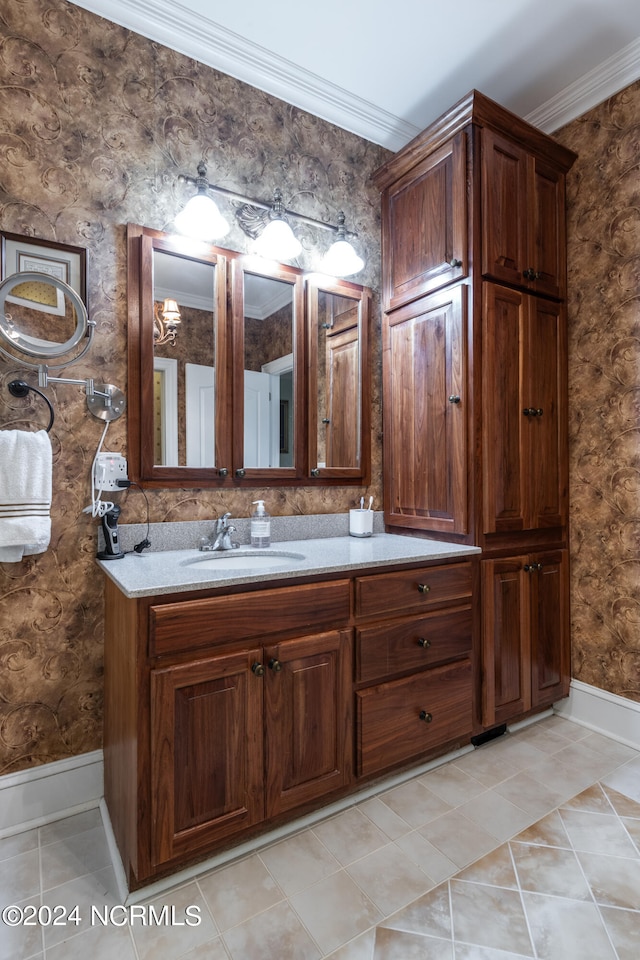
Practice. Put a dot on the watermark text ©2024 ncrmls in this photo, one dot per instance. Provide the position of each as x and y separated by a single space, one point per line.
118 915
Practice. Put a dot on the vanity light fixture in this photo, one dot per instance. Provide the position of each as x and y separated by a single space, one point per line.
201 218
165 322
267 224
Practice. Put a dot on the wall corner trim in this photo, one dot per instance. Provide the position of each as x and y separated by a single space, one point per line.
606 713
51 791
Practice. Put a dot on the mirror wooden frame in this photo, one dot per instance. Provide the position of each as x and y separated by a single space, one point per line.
229 471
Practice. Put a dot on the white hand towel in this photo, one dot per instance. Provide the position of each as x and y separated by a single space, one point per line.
25 493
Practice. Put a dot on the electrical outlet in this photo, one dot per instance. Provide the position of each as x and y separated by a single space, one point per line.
110 467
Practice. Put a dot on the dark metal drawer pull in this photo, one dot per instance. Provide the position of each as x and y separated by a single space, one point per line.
424 642
423 588
425 716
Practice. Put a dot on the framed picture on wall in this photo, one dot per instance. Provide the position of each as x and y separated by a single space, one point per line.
29 254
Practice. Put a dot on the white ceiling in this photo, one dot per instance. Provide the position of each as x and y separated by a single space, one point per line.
384 70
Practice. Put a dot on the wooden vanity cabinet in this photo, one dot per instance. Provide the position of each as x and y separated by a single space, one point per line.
226 713
475 372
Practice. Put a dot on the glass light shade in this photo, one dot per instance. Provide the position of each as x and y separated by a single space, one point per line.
277 241
170 311
202 219
341 260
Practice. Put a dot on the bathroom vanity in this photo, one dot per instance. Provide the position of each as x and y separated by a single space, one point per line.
239 698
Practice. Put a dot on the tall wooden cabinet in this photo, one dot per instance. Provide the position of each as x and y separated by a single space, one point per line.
475 379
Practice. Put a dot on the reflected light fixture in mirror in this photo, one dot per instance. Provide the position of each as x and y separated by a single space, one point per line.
166 320
341 260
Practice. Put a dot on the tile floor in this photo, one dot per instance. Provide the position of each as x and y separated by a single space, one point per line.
528 847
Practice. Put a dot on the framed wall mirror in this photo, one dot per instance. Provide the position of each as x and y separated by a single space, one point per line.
233 371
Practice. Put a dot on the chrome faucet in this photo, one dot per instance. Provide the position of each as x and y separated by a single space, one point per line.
223 533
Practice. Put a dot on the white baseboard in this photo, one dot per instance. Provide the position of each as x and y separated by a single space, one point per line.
50 792
601 711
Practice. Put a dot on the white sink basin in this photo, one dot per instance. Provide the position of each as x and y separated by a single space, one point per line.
245 559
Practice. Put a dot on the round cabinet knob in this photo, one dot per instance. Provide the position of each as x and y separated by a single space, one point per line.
223 472
423 588
240 472
275 665
424 642
454 398
455 262
315 472
425 716
326 420
258 669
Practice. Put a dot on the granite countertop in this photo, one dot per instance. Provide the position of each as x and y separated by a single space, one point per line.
179 571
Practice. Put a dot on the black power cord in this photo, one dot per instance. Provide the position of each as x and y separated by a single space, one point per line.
125 484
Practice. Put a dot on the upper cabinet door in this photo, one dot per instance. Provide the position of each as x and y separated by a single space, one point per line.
522 218
425 413
338 403
424 226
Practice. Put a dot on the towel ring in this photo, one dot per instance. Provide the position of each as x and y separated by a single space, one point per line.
20 388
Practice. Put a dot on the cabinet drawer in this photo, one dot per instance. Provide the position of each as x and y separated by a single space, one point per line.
390 726
411 590
412 644
191 624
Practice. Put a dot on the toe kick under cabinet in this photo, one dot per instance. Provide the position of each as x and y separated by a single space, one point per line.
228 712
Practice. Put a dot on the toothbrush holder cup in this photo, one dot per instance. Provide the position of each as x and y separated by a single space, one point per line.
360 523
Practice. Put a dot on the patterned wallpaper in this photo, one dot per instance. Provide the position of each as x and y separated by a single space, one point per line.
604 358
96 123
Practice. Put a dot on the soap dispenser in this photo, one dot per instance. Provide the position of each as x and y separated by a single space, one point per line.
260 526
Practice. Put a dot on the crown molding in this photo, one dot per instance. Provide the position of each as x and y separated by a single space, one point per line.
172 25
611 76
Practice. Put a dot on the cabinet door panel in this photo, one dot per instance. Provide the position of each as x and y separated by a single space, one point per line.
425 430
504 189
503 456
206 752
409 717
506 666
546 431
547 241
308 714
549 629
425 226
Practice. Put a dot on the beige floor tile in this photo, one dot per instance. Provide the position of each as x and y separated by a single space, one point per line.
496 869
429 915
20 877
452 784
384 818
272 935
549 832
554 772
458 838
551 871
566 929
350 836
517 753
96 890
97 943
591 800
623 927
70 826
488 766
597 833
498 816
488 916
529 795
361 948
211 950
299 861
335 910
75 856
543 738
389 878
415 803
396 945
624 806
21 942
565 728
617 752
614 881
626 780
592 763
471 952
179 932
19 843
633 829
430 860
239 891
